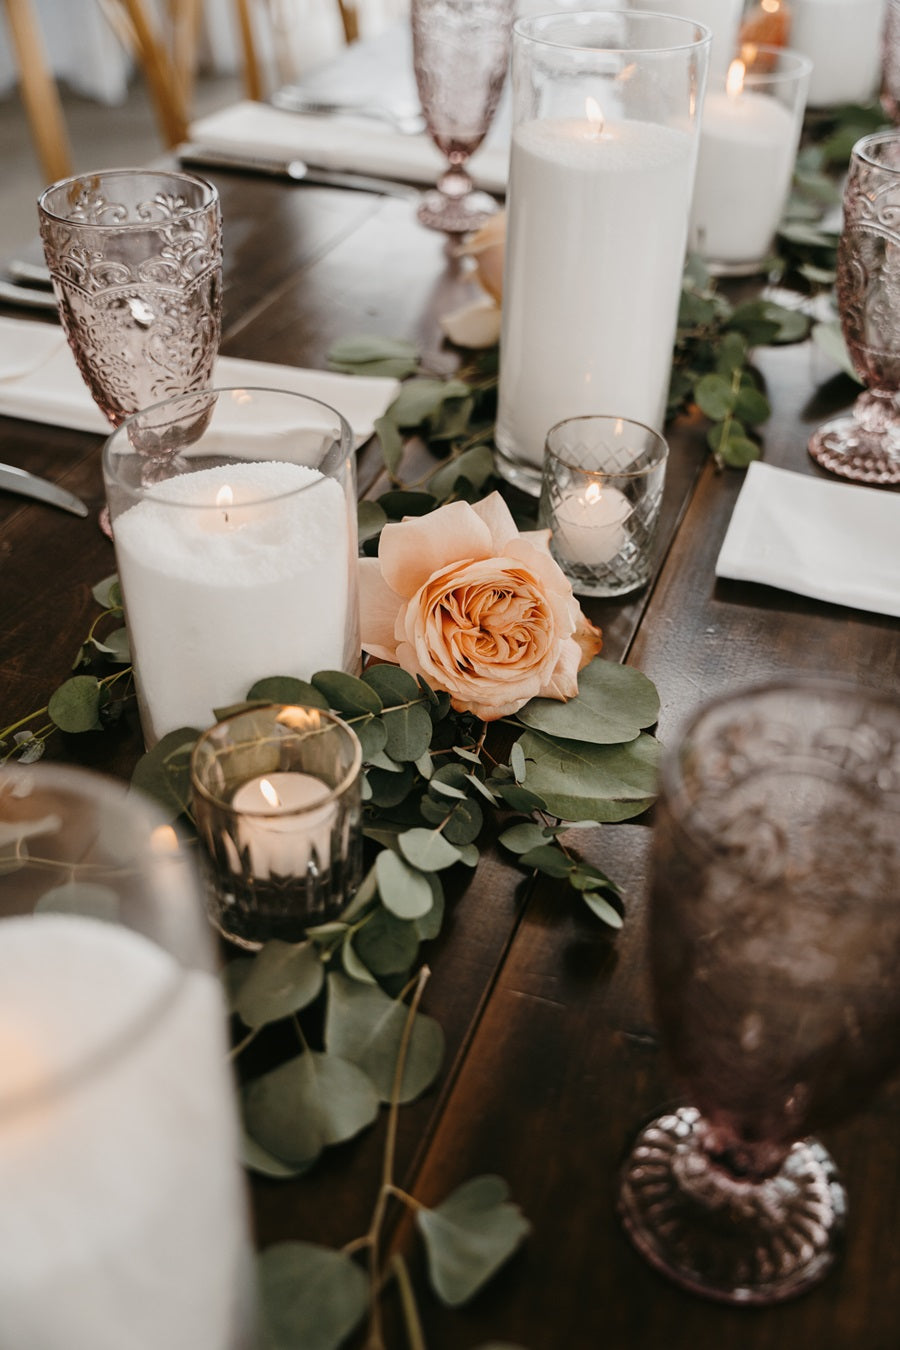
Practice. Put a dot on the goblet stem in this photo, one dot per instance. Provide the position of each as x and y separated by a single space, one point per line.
454 206
720 1230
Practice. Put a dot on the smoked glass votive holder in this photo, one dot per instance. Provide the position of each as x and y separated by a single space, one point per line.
277 803
601 495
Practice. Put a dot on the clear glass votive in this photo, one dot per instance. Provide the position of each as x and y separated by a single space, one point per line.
124 1217
277 803
752 119
601 494
234 521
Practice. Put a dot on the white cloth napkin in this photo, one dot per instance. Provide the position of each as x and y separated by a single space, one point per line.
832 541
39 381
351 144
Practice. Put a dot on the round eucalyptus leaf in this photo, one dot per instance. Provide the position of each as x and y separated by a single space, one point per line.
370 520
284 977
549 859
306 1104
409 731
604 782
469 1236
108 592
352 963
310 1297
164 773
392 684
613 705
403 890
602 908
81 897
115 645
427 850
372 735
520 838
255 1157
365 1026
464 823
346 693
385 944
75 705
287 689
430 924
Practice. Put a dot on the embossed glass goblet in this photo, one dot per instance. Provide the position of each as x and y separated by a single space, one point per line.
461 54
774 944
136 261
864 446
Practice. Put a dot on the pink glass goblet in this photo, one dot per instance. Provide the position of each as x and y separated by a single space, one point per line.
774 944
461 54
864 445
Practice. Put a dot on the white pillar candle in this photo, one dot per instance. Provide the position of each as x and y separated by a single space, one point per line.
122 1221
721 17
286 828
217 597
842 38
589 524
748 143
595 251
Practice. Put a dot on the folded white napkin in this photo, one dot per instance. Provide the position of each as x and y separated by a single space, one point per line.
832 541
353 144
39 381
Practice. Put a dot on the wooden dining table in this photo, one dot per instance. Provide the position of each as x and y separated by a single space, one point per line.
552 1061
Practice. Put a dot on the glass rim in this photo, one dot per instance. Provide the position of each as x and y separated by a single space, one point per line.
863 147
671 776
64 1080
112 456
531 28
798 64
211 196
334 794
659 446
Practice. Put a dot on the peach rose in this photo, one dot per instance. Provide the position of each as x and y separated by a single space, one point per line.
463 599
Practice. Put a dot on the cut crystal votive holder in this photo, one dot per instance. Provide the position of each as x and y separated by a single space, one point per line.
277 803
601 495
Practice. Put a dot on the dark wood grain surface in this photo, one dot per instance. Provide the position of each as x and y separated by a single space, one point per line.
552 1061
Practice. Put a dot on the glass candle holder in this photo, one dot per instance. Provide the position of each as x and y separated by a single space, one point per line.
277 802
843 39
234 521
124 1214
606 114
601 495
752 119
890 62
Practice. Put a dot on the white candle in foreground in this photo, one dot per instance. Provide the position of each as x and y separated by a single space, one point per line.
122 1215
286 828
596 238
219 596
589 524
748 143
842 38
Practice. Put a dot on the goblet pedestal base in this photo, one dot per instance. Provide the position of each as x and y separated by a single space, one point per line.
845 447
456 215
732 1239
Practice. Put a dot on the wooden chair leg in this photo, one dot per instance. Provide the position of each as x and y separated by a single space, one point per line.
350 19
133 21
252 75
39 92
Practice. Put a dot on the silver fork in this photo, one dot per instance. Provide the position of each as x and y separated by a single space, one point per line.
291 99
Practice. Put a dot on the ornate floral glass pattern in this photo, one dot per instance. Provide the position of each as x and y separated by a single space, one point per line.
136 261
775 937
865 445
461 54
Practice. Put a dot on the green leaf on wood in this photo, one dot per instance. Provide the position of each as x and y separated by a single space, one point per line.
469 1236
309 1296
364 1026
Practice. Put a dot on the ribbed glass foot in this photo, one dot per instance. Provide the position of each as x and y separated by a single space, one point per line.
731 1239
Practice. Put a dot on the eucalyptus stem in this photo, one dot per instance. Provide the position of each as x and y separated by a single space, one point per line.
414 1333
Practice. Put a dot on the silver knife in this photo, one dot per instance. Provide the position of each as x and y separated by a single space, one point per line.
297 170
29 485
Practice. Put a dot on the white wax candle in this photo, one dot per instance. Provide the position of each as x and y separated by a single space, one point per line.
589 524
748 143
281 841
595 249
217 598
721 17
122 1215
842 38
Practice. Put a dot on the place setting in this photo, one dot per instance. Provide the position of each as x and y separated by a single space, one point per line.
549 771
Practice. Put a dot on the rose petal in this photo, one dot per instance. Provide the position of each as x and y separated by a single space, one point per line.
413 550
589 639
476 325
499 520
378 609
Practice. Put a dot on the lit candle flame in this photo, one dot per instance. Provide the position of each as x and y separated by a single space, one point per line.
592 494
300 719
224 499
594 114
164 839
771 6
735 81
269 792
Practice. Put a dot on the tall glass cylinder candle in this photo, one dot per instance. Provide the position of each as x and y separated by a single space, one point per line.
234 521
842 38
606 114
123 1220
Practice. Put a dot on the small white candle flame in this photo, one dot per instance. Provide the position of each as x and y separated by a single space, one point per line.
224 499
735 81
594 114
593 493
269 792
